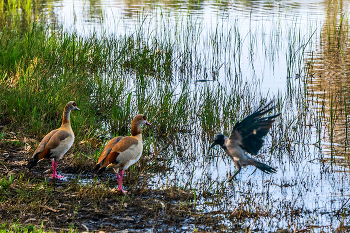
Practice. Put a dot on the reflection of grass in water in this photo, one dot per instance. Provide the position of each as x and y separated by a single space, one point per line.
112 78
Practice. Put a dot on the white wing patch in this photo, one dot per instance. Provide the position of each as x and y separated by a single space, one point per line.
130 156
62 148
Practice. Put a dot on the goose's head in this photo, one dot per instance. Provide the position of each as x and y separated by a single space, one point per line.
71 105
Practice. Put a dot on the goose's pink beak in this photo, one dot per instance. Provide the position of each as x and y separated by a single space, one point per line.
147 123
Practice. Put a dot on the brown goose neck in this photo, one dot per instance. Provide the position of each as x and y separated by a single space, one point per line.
66 116
135 129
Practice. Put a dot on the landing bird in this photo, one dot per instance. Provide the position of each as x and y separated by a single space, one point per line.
122 152
56 143
247 136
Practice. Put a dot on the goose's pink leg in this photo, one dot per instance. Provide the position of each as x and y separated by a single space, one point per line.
54 174
120 182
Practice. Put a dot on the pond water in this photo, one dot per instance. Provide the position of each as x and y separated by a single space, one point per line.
295 51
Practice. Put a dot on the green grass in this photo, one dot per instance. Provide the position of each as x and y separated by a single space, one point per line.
17 227
114 78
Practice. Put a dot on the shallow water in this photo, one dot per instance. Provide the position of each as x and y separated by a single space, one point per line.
287 49
257 23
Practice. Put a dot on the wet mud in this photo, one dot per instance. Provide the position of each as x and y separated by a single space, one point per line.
83 202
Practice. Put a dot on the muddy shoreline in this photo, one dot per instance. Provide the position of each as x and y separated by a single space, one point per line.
36 200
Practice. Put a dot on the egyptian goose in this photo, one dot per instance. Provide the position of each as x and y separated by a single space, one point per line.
247 136
56 143
122 152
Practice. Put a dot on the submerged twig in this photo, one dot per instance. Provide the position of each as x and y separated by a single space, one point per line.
309 227
49 208
342 207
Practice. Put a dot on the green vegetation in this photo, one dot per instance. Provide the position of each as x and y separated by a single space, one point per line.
20 228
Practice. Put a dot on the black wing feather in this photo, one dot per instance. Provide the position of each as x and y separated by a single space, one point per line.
253 128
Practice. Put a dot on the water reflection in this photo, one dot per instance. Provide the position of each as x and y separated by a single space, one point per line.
329 81
263 41
83 13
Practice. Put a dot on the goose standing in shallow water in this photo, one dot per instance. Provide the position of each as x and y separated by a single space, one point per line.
247 136
122 152
56 143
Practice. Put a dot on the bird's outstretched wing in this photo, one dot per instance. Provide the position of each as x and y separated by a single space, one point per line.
249 132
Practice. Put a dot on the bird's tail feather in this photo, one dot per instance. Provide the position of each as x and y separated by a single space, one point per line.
32 162
263 167
98 169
